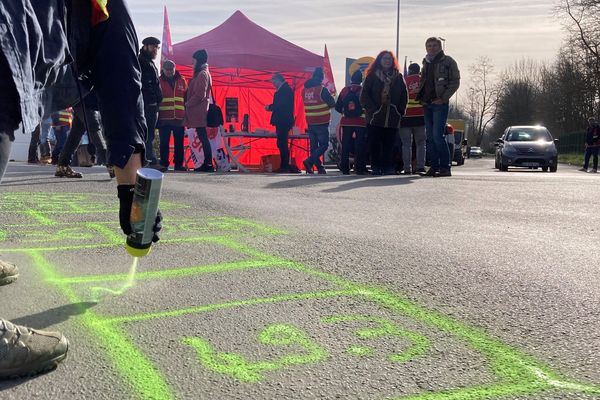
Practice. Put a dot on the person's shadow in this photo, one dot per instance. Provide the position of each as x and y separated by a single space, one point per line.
53 316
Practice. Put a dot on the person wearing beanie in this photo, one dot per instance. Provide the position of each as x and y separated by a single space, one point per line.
170 115
354 126
412 126
317 104
196 106
282 118
152 94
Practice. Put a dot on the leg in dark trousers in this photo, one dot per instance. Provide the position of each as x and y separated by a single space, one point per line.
360 149
94 130
151 114
33 146
375 147
5 146
164 135
347 142
388 138
203 136
178 157
72 142
60 132
282 145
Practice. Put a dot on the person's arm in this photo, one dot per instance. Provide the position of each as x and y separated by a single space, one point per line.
200 84
403 96
453 82
365 95
327 97
339 104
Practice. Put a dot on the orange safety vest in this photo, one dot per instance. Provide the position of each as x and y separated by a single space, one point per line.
65 118
413 108
316 110
172 105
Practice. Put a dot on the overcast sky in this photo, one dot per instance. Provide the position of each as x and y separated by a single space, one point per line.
504 30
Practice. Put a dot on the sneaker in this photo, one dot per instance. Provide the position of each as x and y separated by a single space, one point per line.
46 160
321 170
420 171
582 169
111 171
27 352
64 171
8 273
308 166
445 172
594 171
406 172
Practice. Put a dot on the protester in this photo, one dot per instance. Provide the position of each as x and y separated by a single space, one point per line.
282 118
317 104
592 145
440 80
170 115
196 106
412 125
61 124
90 123
354 126
114 70
152 94
384 98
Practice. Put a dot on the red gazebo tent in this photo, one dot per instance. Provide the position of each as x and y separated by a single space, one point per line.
242 57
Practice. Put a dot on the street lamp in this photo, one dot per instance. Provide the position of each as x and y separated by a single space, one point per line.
398 30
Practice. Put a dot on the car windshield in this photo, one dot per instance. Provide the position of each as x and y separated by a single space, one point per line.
528 135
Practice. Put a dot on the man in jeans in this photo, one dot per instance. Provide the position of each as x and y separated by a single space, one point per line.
440 79
317 104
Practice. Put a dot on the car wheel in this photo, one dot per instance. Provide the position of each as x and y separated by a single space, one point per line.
545 169
553 168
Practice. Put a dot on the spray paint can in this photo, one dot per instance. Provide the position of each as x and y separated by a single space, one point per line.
143 211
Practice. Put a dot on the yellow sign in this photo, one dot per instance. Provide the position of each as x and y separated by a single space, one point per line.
362 64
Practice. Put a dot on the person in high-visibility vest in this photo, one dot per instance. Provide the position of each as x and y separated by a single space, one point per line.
61 123
32 87
318 103
412 125
170 115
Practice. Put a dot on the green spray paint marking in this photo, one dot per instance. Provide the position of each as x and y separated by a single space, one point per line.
516 372
139 372
237 366
419 343
96 291
39 217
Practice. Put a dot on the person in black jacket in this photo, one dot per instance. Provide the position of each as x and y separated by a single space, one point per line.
102 48
152 94
384 98
592 145
282 118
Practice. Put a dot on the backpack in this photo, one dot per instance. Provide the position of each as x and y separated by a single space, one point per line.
352 107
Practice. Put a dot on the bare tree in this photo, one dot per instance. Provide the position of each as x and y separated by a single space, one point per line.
483 97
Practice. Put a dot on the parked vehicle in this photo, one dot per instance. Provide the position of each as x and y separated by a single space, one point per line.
475 152
526 146
460 141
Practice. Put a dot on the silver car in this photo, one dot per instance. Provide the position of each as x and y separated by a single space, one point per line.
526 146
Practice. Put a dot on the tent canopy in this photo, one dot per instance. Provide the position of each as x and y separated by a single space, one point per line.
242 53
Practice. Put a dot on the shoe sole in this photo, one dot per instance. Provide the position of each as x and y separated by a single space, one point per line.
8 279
46 366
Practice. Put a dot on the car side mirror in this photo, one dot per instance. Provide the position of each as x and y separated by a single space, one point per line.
556 140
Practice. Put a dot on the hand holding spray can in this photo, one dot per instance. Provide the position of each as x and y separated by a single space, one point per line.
144 209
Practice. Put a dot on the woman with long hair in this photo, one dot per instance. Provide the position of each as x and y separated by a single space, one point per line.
384 97
196 105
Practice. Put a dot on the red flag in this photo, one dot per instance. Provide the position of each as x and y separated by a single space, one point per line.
166 52
328 82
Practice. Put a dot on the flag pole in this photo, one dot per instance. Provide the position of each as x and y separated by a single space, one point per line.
398 30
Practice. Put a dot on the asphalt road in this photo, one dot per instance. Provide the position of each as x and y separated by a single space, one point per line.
482 285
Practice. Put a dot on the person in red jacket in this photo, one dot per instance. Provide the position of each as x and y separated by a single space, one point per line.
353 124
170 115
